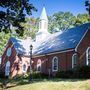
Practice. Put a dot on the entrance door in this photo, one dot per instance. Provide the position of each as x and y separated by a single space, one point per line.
7 68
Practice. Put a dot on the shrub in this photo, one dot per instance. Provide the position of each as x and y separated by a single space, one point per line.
2 75
84 72
64 74
36 75
39 75
79 72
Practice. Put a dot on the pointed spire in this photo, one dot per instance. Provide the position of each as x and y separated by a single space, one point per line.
43 14
43 27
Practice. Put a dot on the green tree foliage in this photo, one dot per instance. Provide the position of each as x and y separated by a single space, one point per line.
13 12
65 20
3 41
62 21
81 19
30 27
87 4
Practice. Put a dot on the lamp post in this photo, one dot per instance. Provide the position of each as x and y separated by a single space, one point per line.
31 47
87 4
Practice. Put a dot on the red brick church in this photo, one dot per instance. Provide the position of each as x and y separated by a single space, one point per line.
51 52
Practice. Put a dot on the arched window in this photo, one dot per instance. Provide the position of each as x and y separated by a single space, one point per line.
9 51
88 56
39 65
74 60
7 68
55 64
24 68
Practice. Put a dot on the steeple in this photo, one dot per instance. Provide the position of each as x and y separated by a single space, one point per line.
43 21
43 26
43 14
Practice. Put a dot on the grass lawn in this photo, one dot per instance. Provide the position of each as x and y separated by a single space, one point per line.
52 84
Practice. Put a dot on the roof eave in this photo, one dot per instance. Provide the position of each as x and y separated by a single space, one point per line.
52 53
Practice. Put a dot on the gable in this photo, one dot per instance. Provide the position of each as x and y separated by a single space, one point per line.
82 39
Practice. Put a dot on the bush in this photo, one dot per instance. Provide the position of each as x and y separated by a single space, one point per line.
79 72
84 72
36 75
2 75
64 74
39 75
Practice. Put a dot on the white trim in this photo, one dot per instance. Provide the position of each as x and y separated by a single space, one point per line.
38 56
7 68
87 55
54 53
24 71
73 60
81 40
39 65
61 52
9 52
53 63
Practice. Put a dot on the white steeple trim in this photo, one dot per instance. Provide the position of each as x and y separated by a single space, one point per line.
43 27
43 22
43 14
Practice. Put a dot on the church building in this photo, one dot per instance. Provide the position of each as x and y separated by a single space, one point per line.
50 53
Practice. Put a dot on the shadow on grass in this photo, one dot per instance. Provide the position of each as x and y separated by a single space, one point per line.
20 81
25 81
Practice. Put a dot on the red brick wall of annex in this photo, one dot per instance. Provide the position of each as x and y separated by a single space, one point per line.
25 60
15 65
20 61
12 58
65 61
85 43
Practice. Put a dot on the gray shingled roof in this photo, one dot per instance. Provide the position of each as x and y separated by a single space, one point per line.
54 43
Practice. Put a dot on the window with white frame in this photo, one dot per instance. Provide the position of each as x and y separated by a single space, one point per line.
39 65
88 56
74 60
55 64
7 68
24 68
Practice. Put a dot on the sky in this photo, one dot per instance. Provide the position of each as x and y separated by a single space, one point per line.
53 6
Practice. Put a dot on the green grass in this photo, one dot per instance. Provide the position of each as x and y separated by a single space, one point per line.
52 84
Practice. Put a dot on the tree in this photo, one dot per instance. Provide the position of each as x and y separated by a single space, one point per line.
51 24
61 21
13 12
30 27
65 20
81 19
87 4
3 40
